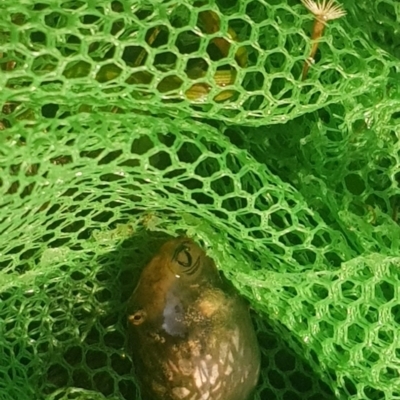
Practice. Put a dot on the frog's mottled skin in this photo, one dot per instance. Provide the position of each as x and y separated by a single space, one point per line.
191 336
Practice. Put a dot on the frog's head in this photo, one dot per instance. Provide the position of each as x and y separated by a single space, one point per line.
179 267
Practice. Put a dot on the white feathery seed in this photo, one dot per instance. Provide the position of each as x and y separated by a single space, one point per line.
326 10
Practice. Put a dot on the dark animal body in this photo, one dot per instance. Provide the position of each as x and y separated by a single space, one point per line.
190 334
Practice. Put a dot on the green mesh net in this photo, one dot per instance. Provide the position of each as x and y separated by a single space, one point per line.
126 122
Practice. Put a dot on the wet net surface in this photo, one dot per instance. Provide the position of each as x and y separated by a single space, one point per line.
124 123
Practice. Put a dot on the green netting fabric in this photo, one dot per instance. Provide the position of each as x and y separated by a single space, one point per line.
124 123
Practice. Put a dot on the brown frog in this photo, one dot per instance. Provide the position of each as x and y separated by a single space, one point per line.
190 334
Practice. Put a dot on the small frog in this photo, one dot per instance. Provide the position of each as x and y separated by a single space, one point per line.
190 334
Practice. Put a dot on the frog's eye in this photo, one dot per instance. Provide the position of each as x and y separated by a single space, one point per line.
184 258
